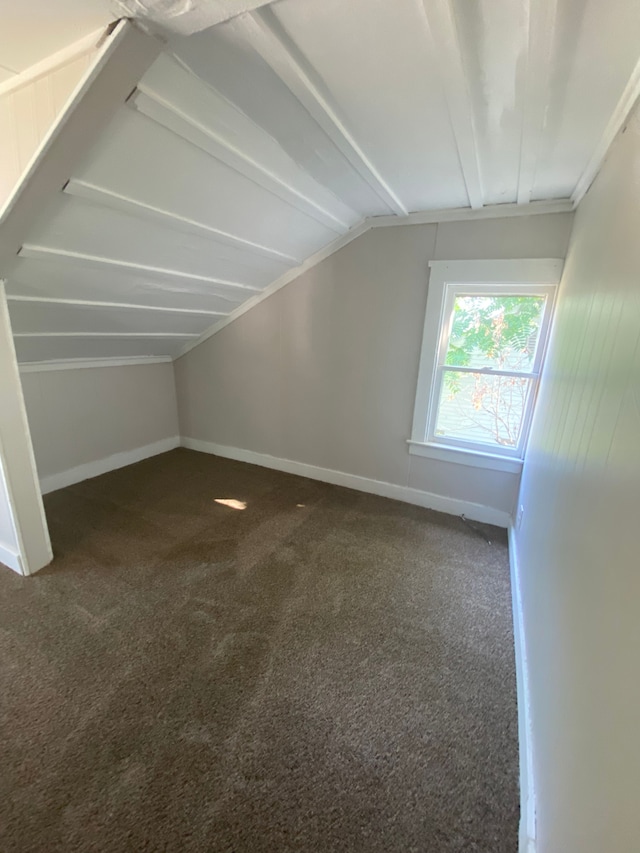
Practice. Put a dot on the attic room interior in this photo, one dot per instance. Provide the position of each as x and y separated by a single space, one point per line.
320 425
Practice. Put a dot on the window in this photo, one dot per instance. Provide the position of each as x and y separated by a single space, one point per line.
484 340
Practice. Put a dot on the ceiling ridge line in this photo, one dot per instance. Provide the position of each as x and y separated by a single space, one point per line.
152 105
78 188
260 34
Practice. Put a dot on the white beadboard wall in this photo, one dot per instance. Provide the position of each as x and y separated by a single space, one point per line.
578 549
324 371
28 111
87 421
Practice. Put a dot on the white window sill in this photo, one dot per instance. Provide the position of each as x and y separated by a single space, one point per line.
473 458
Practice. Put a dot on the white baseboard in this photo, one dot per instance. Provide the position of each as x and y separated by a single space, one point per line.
452 506
109 463
527 834
11 559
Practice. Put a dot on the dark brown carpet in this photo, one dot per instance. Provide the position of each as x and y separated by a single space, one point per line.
321 671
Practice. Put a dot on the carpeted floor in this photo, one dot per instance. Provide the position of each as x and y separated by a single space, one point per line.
321 671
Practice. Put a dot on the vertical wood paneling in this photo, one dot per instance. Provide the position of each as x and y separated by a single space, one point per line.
578 546
27 114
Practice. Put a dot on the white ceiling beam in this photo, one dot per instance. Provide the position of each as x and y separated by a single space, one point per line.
118 65
88 303
115 201
446 47
84 363
45 253
542 24
466 214
630 95
171 117
105 335
259 31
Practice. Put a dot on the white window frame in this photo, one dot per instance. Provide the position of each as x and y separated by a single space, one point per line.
448 279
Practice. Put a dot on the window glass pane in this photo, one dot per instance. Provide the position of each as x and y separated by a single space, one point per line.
482 408
495 331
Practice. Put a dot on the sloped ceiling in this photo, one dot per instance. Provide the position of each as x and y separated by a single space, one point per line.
250 146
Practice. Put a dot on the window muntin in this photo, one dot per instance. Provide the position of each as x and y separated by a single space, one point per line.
485 335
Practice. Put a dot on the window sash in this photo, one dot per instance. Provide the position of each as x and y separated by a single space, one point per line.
453 290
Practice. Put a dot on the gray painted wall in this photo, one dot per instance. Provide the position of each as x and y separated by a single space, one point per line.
324 371
85 415
578 545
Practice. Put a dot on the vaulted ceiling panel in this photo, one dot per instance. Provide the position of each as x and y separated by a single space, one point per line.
75 226
32 317
30 349
493 39
595 54
248 151
388 54
152 166
74 279
225 59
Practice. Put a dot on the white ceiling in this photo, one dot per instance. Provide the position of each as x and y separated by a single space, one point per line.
250 146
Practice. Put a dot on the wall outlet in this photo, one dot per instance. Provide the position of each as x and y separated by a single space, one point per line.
519 515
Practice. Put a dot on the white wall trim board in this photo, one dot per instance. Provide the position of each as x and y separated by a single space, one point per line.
465 214
82 364
103 466
51 63
452 506
171 117
444 43
460 456
11 559
88 303
42 253
115 201
527 832
285 279
117 66
261 31
630 95
542 21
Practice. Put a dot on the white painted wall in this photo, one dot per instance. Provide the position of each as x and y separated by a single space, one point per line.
578 545
88 421
324 371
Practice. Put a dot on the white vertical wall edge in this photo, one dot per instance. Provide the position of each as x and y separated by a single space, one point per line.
109 463
527 832
428 500
17 458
